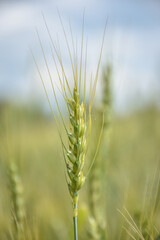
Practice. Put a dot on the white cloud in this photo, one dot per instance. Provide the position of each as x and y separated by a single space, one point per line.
15 17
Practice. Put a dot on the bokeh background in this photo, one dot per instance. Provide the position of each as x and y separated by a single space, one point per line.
27 130
131 44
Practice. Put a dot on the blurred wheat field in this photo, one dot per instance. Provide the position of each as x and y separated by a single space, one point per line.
131 169
80 160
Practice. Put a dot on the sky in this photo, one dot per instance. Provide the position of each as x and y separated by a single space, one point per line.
132 46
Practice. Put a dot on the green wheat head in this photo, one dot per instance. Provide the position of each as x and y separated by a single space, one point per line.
97 179
16 190
76 152
79 112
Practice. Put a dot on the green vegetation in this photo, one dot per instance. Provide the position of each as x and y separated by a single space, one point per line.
117 157
79 112
131 198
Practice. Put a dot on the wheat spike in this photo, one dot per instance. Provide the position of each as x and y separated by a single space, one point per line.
16 190
78 113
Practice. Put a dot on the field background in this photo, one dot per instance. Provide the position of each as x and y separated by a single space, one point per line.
124 180
31 139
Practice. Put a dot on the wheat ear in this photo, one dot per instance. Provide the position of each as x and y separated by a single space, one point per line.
75 99
16 190
77 150
107 96
98 175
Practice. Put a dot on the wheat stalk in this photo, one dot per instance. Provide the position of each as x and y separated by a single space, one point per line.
98 176
78 114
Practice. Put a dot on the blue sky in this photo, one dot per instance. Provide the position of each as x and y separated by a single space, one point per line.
132 44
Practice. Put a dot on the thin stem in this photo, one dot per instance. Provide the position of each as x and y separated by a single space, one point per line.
75 223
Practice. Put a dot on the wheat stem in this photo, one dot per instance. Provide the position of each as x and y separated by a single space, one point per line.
75 224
